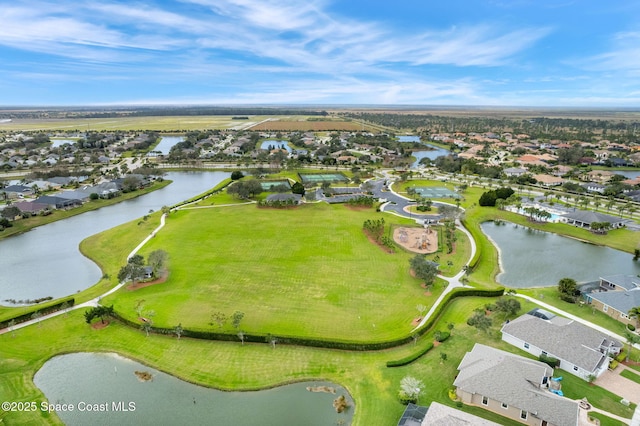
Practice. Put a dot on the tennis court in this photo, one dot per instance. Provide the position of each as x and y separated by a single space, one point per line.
322 177
436 192
268 185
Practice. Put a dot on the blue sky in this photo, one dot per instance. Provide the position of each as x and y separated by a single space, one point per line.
579 53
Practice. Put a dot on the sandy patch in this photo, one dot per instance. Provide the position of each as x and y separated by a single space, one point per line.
417 240
99 325
132 287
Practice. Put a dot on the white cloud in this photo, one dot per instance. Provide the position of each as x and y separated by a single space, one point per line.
623 56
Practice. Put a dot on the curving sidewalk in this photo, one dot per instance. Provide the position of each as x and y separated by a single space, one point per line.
452 283
93 302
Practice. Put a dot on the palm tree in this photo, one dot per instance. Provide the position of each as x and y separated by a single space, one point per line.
635 312
596 204
632 339
610 204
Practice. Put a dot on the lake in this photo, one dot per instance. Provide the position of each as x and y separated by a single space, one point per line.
166 143
432 154
532 258
82 379
275 144
46 261
56 143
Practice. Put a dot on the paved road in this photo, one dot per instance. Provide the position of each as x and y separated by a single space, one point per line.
396 204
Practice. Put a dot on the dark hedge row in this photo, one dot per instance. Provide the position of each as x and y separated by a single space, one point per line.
410 358
444 335
222 185
320 343
44 309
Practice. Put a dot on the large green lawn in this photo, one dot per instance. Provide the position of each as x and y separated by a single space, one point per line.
231 365
308 271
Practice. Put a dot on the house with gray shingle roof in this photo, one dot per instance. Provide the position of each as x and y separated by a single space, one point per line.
283 198
584 219
512 386
442 415
616 296
581 350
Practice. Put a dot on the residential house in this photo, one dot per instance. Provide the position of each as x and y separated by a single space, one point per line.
512 386
30 207
600 176
581 350
548 180
55 202
442 415
18 191
594 187
295 198
616 296
104 189
561 170
45 185
584 219
514 171
437 414
81 196
413 415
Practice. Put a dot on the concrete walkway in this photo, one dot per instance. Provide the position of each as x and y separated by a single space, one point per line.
452 283
93 302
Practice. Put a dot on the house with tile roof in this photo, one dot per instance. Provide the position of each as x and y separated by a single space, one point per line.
580 350
512 386
616 296
548 180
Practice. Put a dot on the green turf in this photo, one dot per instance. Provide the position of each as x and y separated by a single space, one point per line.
574 387
631 375
309 233
308 271
605 420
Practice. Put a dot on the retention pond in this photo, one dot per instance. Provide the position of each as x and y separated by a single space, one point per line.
532 258
110 389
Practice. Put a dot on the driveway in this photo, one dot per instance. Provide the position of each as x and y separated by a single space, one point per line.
614 382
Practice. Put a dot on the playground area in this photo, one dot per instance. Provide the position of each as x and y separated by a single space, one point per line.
435 192
322 177
417 240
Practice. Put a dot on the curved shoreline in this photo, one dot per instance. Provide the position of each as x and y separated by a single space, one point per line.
80 210
498 250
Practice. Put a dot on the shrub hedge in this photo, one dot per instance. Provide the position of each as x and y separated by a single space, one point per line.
550 361
218 188
441 336
44 309
410 358
322 343
477 236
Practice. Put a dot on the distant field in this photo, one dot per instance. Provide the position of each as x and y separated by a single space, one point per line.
312 126
183 123
505 112
159 123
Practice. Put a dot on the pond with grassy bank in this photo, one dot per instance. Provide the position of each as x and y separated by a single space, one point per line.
125 398
534 258
38 263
